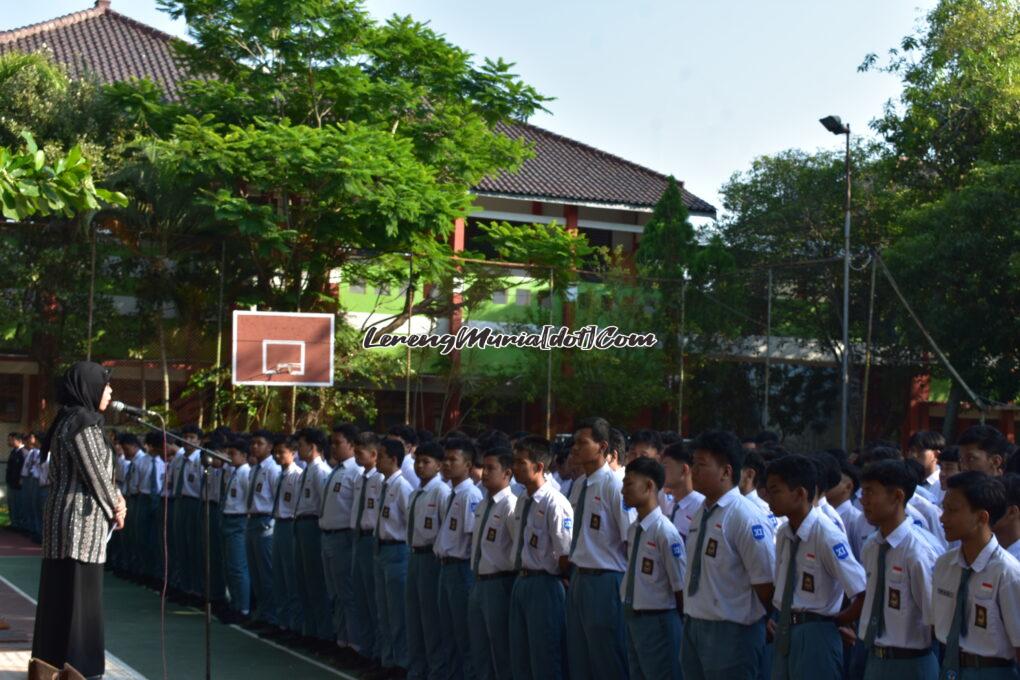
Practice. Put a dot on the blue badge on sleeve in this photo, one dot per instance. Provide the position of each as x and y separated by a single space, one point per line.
676 549
568 524
918 523
758 531
473 506
841 551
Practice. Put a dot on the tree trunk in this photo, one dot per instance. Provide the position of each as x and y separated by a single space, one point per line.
952 412
164 367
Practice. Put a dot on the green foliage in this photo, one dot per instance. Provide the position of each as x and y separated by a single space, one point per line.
30 187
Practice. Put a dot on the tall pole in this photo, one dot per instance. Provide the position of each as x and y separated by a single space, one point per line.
407 354
683 346
219 336
768 355
549 363
845 410
92 286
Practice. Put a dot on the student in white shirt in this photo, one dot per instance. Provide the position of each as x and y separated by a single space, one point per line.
453 548
409 439
617 452
730 565
925 447
815 570
427 656
262 478
367 486
234 508
677 461
311 579
391 557
977 585
983 449
648 444
840 498
336 515
543 524
595 630
285 589
652 586
895 638
752 476
1007 529
492 568
828 476
155 484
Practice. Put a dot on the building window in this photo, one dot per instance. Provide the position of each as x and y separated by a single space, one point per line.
358 286
499 297
523 297
10 397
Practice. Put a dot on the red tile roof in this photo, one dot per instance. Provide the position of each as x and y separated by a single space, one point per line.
104 44
111 47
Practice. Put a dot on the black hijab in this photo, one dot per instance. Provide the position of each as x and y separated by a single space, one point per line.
79 393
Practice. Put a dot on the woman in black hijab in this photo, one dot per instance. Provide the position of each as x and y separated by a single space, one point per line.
83 506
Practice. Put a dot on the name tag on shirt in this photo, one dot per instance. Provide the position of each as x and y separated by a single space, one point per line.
980 616
428 522
258 488
286 497
386 512
534 541
647 566
807 583
490 535
371 503
453 524
712 547
233 493
596 522
336 488
894 598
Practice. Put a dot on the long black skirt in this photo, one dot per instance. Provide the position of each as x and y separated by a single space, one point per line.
69 616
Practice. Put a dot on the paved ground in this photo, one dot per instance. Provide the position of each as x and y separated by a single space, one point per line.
133 633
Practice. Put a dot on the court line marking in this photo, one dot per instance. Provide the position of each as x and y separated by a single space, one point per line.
117 660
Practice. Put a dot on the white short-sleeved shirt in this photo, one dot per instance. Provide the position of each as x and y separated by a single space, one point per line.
43 470
826 569
666 502
548 530
31 458
764 507
930 514
157 477
933 486
658 566
192 471
235 493
391 523
429 504
602 523
738 552
211 487
496 536
338 496
865 530
993 591
262 486
313 481
454 538
830 512
683 512
575 491
851 520
908 568
1014 549
134 476
366 500
407 468
173 471
287 492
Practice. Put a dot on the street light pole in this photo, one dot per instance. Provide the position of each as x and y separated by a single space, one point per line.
834 125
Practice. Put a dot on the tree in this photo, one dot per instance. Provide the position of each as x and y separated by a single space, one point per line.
671 260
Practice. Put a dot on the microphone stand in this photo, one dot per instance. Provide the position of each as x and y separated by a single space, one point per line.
207 458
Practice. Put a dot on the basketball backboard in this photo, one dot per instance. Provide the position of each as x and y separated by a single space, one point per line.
283 349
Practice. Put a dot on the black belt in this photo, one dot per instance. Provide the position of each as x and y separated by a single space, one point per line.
498 574
260 515
968 660
422 549
308 516
284 519
385 543
452 560
527 573
362 533
898 652
649 612
233 514
596 572
797 618
335 531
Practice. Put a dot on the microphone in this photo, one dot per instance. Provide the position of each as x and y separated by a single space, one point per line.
121 407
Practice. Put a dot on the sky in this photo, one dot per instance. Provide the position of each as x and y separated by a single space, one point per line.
693 88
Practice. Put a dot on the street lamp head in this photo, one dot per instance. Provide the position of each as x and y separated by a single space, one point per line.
834 125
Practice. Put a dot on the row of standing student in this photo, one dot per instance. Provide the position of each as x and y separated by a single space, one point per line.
433 576
28 484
